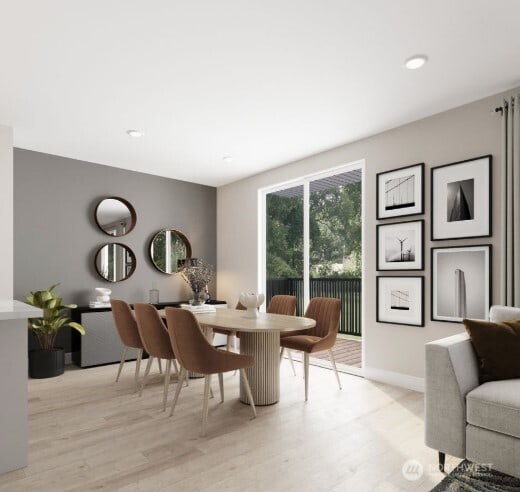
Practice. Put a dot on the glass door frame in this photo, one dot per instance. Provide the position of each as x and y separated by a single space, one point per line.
305 182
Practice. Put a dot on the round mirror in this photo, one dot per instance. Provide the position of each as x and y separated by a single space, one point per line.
115 216
115 262
169 249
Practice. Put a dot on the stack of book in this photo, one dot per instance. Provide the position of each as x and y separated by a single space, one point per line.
98 304
201 308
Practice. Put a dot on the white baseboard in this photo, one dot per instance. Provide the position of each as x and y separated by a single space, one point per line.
395 378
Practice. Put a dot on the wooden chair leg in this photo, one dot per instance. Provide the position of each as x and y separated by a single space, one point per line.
291 361
306 373
184 372
228 342
221 385
147 370
121 364
331 355
248 391
205 407
160 365
282 349
166 383
176 368
138 368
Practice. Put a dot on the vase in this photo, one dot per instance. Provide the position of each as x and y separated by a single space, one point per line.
199 297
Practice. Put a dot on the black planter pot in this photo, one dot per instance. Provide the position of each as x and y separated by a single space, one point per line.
46 363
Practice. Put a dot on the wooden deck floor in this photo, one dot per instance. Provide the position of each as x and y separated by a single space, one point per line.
347 352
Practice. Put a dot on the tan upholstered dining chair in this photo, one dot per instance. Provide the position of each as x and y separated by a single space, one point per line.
196 354
227 333
326 312
283 304
126 326
156 342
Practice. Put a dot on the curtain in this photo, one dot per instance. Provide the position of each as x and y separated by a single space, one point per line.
510 254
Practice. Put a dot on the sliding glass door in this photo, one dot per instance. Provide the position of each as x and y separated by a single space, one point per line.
313 242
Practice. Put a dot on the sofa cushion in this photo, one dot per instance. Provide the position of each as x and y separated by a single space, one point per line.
497 346
496 406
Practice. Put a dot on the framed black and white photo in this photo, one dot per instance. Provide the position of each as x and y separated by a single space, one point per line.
461 199
400 192
461 282
400 300
400 246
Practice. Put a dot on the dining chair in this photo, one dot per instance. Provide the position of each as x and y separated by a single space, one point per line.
230 334
283 304
326 312
156 342
196 354
126 326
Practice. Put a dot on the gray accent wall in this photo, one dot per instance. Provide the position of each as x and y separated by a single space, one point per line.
56 237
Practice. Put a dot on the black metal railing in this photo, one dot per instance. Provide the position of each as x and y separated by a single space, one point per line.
346 289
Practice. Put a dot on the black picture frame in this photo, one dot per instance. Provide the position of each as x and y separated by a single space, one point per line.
404 211
485 210
380 319
449 289
381 227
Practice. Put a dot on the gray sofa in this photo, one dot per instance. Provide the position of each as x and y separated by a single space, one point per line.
466 419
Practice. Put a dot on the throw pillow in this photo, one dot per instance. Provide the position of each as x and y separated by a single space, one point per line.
497 346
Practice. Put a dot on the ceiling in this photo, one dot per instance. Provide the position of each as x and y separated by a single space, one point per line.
265 82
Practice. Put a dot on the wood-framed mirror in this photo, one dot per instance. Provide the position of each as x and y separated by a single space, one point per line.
115 216
168 250
115 262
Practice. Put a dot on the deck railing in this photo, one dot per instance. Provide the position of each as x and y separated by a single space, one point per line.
346 289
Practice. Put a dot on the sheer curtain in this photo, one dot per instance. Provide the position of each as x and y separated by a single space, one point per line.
510 257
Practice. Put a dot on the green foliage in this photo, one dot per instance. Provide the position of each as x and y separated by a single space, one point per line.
54 317
335 233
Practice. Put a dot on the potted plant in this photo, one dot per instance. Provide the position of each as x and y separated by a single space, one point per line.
49 361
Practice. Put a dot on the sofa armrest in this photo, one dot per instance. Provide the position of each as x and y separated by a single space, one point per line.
451 373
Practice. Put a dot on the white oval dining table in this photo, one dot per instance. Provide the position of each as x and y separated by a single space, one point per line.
259 337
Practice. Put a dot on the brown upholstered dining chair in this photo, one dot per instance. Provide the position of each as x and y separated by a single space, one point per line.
326 312
228 333
126 326
156 342
283 304
196 354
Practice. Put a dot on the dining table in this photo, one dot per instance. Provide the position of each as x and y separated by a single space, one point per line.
259 337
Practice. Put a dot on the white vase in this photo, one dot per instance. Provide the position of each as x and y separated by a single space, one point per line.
251 302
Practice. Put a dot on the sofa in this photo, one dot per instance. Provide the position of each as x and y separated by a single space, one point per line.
465 419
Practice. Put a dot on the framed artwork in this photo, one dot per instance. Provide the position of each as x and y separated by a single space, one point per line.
400 192
461 199
400 246
461 282
400 300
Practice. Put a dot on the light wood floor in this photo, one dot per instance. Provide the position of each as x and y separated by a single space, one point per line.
89 433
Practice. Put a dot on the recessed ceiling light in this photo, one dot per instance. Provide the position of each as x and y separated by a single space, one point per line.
415 62
227 159
134 133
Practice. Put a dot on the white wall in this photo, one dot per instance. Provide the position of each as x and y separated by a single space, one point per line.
394 352
6 212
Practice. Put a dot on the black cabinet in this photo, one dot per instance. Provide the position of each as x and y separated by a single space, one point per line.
101 344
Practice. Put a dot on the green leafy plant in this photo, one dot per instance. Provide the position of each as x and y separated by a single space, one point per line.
54 316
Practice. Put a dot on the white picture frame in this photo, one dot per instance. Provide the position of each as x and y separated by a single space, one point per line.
461 199
460 282
400 300
400 192
400 246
